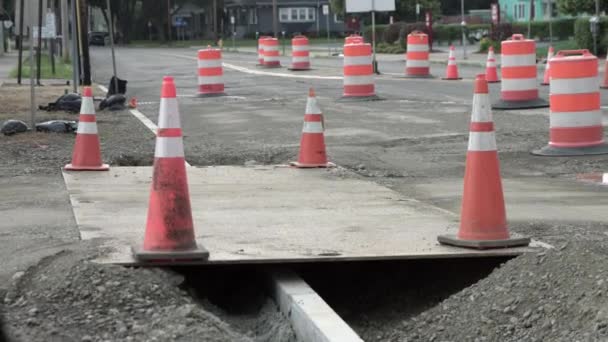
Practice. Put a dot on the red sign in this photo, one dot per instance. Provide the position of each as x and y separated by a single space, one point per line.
495 14
429 19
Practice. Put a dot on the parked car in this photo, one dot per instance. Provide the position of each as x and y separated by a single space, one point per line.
99 38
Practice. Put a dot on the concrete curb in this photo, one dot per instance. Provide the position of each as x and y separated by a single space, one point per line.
310 316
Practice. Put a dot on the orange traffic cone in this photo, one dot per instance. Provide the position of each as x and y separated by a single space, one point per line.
604 84
483 222
547 76
133 103
87 151
491 70
312 146
451 72
169 229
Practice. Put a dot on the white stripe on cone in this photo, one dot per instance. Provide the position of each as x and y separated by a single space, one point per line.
312 107
209 63
169 117
87 128
87 106
358 80
202 80
172 147
518 60
312 127
513 84
357 60
575 85
575 119
481 108
482 141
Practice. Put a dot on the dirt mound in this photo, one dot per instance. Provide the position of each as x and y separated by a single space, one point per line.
67 298
554 295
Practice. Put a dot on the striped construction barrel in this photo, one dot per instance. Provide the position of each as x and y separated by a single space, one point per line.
519 87
353 39
271 53
417 56
261 41
300 54
575 118
210 72
358 71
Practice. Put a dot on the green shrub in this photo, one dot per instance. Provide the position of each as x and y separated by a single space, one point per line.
584 38
485 44
367 34
446 33
391 34
389 48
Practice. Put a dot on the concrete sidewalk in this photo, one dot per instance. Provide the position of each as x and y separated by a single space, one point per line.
7 62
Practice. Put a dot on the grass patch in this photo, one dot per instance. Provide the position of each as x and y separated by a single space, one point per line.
541 52
227 42
62 70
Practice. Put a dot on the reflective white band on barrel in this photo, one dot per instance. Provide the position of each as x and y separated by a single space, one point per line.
300 59
299 48
87 106
482 141
169 147
271 48
358 80
312 127
358 60
575 119
481 108
312 107
575 85
415 63
87 128
417 48
271 58
514 84
210 80
170 119
209 63
518 60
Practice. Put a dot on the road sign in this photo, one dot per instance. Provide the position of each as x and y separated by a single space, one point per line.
357 6
417 9
50 27
325 9
8 24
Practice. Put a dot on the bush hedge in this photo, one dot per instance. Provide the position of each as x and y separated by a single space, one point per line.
584 38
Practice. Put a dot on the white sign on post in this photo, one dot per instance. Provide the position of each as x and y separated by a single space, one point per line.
357 6
325 9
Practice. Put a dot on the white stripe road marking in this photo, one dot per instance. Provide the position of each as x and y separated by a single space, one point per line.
417 47
514 84
312 107
210 63
481 108
575 119
87 106
357 60
87 128
518 60
140 116
171 118
359 80
416 63
575 85
312 127
482 141
169 147
210 80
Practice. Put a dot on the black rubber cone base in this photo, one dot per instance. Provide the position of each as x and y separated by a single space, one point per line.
312 166
506 105
197 255
453 240
211 95
419 76
451 79
550 151
292 69
359 98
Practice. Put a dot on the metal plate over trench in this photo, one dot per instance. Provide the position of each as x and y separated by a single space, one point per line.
269 214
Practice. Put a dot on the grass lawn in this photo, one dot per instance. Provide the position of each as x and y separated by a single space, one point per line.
62 70
227 42
541 52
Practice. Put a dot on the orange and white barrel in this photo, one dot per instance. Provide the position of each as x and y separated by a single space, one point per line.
300 53
358 71
210 72
261 41
575 113
353 39
519 87
271 53
417 56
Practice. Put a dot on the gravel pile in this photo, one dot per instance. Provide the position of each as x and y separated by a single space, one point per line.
66 298
559 294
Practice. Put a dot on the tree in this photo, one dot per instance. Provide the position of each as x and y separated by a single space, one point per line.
576 7
337 6
407 8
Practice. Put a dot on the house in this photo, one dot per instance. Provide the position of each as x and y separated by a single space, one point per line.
294 16
519 10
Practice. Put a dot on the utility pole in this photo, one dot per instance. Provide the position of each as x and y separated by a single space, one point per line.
463 25
20 62
75 54
550 9
169 19
84 41
530 18
275 20
39 50
1 28
65 44
214 16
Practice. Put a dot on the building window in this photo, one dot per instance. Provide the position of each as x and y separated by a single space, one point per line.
519 11
253 16
297 15
338 18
